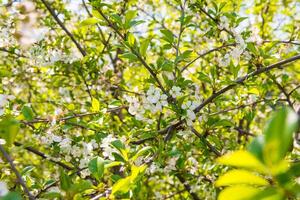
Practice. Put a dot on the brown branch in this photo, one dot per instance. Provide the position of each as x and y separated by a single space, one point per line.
80 115
231 86
204 140
153 74
282 89
246 77
14 169
187 187
79 47
12 52
60 23
42 155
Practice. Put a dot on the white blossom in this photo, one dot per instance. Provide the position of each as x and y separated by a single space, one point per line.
175 91
189 106
4 99
171 164
153 94
2 141
108 150
3 189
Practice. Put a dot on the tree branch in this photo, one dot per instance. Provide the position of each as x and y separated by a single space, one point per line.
42 155
187 187
14 169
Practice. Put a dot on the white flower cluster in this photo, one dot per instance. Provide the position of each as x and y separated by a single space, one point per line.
255 37
175 91
237 51
81 152
41 57
107 149
3 189
224 23
189 107
153 101
156 99
4 99
193 165
171 164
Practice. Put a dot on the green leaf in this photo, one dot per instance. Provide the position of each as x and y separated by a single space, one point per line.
95 105
11 196
240 177
130 56
141 152
122 185
144 46
279 135
130 14
81 186
117 19
65 181
89 21
96 167
242 159
168 35
27 113
130 39
203 77
223 122
238 192
256 147
9 127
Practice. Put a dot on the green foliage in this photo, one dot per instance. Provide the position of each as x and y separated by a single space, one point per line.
110 99
265 155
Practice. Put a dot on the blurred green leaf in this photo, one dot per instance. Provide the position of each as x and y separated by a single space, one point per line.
96 167
240 177
279 135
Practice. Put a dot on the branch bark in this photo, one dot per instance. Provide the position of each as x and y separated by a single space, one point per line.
14 169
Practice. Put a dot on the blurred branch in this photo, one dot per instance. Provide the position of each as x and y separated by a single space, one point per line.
14 169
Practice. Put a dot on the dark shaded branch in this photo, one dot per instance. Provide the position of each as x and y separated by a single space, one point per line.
12 52
42 155
187 187
244 78
79 47
153 74
231 86
60 23
14 169
204 140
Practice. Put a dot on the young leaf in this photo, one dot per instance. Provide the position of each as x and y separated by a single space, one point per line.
131 39
95 105
242 159
279 135
238 192
89 21
27 113
96 167
240 177
144 47
168 35
122 186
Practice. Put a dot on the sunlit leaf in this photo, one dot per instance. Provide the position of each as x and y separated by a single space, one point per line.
240 177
